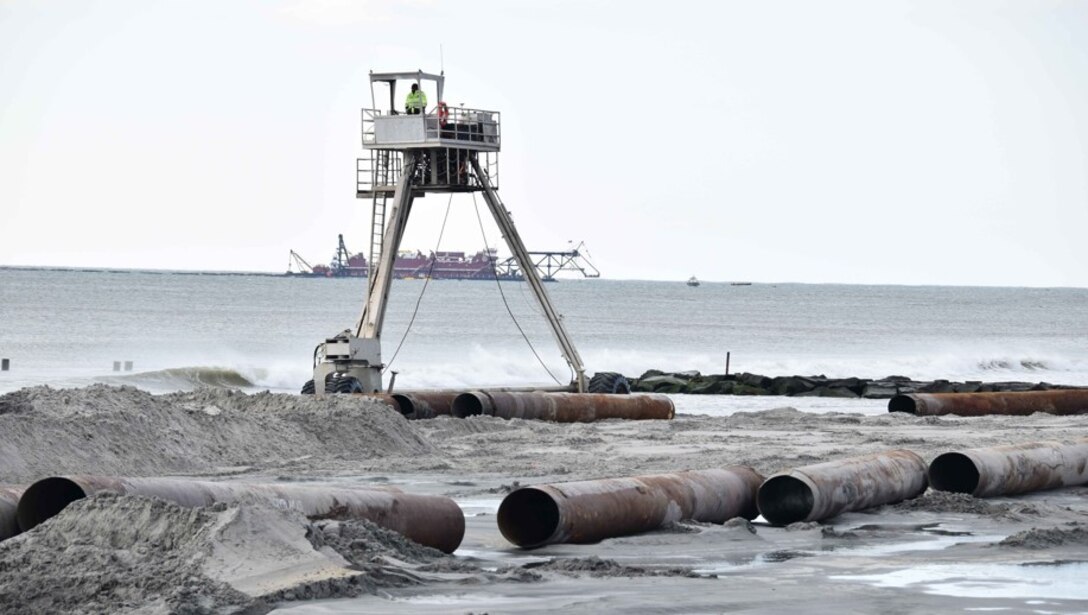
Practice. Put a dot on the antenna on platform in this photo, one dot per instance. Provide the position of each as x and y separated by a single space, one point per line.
441 60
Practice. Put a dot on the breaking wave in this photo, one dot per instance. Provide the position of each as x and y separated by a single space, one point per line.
186 378
517 367
1031 365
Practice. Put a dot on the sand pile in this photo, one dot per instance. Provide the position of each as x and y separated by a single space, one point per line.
597 567
1076 535
947 502
120 554
124 431
110 554
361 542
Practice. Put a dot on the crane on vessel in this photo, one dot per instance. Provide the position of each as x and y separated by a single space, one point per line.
442 149
295 261
549 263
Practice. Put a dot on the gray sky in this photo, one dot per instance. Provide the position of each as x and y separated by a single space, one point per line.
928 142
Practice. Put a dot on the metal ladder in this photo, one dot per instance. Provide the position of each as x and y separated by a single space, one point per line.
383 175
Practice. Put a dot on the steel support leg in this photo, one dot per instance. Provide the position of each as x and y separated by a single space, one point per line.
513 241
363 359
370 321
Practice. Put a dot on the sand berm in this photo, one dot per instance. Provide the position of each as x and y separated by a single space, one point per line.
131 554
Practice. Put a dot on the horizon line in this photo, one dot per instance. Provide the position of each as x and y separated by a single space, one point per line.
226 272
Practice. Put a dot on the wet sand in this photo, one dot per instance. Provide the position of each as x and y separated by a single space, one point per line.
939 553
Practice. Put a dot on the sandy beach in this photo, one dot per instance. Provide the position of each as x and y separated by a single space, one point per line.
940 552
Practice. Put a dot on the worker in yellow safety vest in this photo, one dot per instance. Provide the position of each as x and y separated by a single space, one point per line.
416 102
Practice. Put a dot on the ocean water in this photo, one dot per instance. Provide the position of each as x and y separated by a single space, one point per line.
181 331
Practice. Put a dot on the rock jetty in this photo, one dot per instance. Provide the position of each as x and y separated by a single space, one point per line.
695 383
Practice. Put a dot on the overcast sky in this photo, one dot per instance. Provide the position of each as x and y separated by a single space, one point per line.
914 142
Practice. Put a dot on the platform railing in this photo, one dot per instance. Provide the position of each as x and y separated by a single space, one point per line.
377 168
441 123
461 124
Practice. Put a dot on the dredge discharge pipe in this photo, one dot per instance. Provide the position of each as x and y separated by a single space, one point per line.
1062 401
592 510
9 501
389 400
425 404
564 407
434 521
472 403
1007 470
821 491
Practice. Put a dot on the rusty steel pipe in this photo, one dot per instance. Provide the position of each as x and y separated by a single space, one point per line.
472 403
592 510
1061 401
389 400
429 403
1007 470
425 404
564 407
9 502
821 491
430 520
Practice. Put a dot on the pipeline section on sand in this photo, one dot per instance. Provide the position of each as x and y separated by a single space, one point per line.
389 400
9 502
1008 470
1061 401
563 407
590 511
824 490
425 404
430 520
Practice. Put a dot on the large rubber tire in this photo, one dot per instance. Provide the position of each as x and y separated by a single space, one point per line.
609 382
308 388
348 384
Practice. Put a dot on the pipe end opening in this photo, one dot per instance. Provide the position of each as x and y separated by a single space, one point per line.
785 499
466 405
404 405
45 499
954 472
528 517
903 403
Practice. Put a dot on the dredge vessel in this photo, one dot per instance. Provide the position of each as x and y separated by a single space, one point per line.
483 265
409 264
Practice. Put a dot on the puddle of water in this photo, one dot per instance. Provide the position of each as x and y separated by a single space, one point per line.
533 599
774 557
474 507
505 558
931 544
1062 582
476 600
442 602
939 529
933 541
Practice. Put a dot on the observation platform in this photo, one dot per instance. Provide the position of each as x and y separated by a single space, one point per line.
441 127
445 140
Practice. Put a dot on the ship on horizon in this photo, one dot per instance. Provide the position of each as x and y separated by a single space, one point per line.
483 265
409 264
